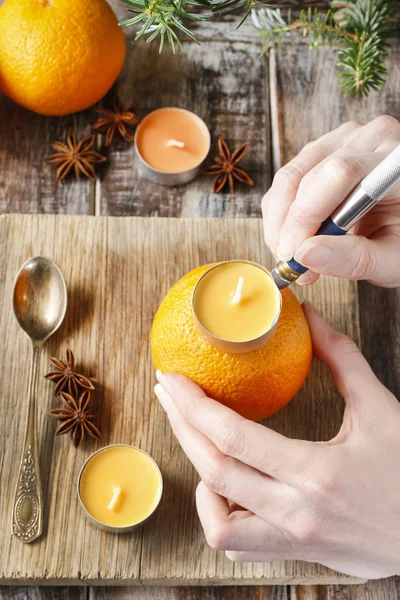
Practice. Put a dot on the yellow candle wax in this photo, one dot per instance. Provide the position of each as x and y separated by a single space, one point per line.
237 301
120 486
172 140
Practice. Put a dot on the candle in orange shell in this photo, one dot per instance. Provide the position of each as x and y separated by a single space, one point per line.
236 305
256 383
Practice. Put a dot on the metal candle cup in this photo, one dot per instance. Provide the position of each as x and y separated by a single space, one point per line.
228 345
110 528
164 177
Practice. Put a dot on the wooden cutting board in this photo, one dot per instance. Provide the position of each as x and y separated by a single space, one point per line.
117 271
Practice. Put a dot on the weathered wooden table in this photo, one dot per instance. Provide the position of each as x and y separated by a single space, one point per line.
278 104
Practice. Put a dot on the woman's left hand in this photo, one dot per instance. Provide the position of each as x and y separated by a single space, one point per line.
336 502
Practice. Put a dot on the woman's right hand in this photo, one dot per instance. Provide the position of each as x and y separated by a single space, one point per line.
308 189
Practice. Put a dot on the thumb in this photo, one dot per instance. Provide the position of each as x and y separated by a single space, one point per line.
351 373
353 257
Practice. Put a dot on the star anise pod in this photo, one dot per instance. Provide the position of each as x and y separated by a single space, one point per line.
75 155
66 377
76 417
119 119
226 169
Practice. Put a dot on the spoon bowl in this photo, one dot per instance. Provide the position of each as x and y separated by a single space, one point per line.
40 298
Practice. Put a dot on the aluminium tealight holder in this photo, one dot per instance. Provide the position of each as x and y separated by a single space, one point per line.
164 177
235 347
110 528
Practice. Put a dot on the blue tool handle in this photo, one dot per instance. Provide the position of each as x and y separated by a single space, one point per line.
328 227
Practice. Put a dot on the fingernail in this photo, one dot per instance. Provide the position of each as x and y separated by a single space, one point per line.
313 255
286 247
163 397
304 279
166 382
160 377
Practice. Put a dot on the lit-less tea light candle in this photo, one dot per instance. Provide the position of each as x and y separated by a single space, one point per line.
120 487
236 305
171 144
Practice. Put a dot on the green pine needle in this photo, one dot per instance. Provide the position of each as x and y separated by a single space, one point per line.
163 18
359 28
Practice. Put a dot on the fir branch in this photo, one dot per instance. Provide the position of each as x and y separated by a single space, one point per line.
319 29
361 63
360 29
361 66
227 7
164 18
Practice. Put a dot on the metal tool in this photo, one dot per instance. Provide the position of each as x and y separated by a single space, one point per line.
39 302
365 196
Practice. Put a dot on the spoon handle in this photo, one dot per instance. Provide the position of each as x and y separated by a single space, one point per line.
27 510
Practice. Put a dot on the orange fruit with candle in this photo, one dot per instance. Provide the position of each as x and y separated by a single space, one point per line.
59 56
256 384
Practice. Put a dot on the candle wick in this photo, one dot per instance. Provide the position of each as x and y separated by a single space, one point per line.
175 144
238 293
114 499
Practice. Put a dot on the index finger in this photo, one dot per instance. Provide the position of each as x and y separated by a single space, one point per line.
320 192
327 184
281 195
255 445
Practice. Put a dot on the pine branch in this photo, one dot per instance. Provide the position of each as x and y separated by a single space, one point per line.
361 63
164 18
360 29
319 29
361 66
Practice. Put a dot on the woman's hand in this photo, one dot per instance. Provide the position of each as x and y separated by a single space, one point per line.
336 502
306 191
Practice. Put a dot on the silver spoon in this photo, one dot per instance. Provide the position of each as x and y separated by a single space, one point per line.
39 302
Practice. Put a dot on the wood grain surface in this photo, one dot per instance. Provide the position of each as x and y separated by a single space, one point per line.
226 86
386 589
310 103
117 272
27 183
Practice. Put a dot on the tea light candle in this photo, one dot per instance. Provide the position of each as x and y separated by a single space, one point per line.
236 305
171 144
119 487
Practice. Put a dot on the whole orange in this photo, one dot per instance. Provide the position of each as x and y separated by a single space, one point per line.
255 384
59 56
